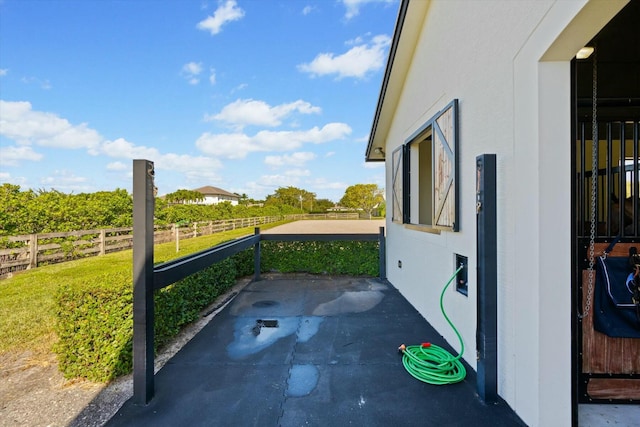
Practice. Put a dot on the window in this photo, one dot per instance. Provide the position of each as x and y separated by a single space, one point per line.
429 189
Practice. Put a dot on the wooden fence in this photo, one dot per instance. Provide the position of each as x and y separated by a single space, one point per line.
33 250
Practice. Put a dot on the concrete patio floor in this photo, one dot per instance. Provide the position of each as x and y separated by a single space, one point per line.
332 360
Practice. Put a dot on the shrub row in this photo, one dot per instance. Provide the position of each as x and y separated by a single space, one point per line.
338 257
95 318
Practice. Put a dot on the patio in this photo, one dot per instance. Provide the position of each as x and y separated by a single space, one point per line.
293 350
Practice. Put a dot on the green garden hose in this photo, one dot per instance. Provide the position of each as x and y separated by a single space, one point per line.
432 364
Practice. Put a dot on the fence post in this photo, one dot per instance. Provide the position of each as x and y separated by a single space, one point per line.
195 229
256 255
143 315
33 251
176 234
103 241
383 254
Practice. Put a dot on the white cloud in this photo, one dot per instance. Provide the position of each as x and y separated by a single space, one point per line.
241 86
238 145
297 172
330 153
323 184
16 180
44 84
353 6
4 71
308 9
191 71
296 159
362 139
116 166
12 155
226 12
244 112
65 180
20 123
212 76
357 62
276 181
189 165
373 165
194 168
121 148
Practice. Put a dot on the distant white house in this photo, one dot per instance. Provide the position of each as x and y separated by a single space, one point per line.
469 78
215 195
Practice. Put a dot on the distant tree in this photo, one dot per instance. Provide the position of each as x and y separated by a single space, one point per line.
184 196
291 196
323 205
243 199
362 196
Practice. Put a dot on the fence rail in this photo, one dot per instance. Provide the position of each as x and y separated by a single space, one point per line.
32 250
172 271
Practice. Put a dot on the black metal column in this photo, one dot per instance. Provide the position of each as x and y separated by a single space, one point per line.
487 302
256 256
382 254
143 206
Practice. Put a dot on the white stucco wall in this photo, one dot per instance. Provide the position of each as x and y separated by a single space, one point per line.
508 64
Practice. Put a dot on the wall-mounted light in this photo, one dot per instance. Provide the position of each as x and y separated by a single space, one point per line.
379 150
585 52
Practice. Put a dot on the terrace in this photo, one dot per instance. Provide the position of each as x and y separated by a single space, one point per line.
300 349
292 349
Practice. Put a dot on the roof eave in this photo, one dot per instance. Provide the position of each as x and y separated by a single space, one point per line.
407 30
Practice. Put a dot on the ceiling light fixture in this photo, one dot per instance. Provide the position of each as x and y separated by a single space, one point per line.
584 53
379 150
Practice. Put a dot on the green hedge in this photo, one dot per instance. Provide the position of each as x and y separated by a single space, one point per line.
94 322
95 318
338 257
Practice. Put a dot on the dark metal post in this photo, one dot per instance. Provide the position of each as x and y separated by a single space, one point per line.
383 254
487 329
143 205
256 256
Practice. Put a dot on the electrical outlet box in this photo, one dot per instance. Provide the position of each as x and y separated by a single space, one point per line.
462 278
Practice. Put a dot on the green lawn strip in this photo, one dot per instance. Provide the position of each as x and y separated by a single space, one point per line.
27 314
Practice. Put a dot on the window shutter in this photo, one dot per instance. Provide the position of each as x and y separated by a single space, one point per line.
396 184
445 188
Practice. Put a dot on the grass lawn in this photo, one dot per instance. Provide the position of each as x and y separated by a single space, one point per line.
27 305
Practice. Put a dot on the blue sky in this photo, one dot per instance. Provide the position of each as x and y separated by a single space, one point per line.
246 95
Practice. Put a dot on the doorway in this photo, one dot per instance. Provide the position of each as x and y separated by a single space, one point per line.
606 369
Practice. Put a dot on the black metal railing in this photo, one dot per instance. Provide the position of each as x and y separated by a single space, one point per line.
172 271
148 278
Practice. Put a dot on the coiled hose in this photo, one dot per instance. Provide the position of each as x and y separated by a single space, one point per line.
433 364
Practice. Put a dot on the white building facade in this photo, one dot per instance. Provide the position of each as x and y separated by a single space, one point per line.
507 66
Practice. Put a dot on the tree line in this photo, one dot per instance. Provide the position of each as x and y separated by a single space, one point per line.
48 211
